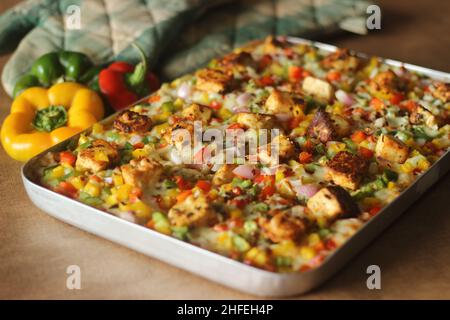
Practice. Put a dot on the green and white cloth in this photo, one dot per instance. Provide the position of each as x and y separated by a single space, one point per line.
177 35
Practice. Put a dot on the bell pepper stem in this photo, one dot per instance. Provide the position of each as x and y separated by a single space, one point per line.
138 76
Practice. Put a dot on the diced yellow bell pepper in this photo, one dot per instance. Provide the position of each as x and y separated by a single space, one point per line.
236 213
178 103
286 248
139 153
58 172
141 209
122 192
407 167
111 200
160 128
307 253
97 128
77 182
313 239
117 180
101 156
93 189
257 256
225 114
161 117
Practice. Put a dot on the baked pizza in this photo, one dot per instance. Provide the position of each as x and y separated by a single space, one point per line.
273 155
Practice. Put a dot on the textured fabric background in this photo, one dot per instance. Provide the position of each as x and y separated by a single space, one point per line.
108 27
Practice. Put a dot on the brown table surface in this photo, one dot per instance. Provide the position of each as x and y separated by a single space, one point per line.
414 253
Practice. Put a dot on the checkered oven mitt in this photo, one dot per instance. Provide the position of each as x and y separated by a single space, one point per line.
220 31
165 29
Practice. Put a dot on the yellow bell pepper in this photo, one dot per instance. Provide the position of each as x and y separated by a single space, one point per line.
41 118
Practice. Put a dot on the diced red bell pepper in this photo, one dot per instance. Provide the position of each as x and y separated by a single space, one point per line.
67 157
366 153
204 185
67 189
305 157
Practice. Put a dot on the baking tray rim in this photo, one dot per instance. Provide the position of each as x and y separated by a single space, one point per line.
26 172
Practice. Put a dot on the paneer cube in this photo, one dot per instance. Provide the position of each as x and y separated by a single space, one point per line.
386 82
272 45
98 156
319 89
256 120
420 114
224 175
129 121
283 226
239 60
141 172
391 149
280 102
180 134
197 112
341 125
193 211
280 148
346 170
341 60
331 203
442 91
213 80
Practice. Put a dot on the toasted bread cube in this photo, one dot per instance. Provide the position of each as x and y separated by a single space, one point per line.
224 175
346 170
331 203
280 102
318 88
322 127
197 112
391 149
256 120
193 211
213 80
97 157
283 226
141 172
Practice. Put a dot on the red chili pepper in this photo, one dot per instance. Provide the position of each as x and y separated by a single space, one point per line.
123 84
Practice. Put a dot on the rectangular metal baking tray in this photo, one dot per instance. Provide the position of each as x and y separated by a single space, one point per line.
213 266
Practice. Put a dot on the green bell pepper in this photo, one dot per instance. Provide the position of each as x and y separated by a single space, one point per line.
53 67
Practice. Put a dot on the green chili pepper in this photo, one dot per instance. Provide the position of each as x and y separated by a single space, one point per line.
54 66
